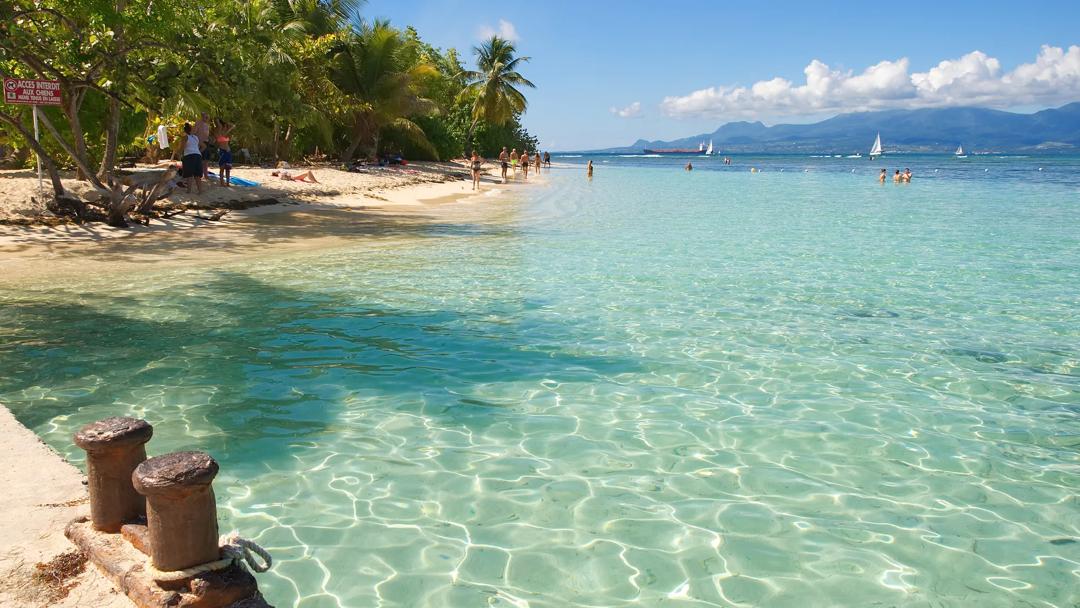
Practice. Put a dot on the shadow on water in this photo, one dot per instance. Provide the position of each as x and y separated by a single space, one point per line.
236 364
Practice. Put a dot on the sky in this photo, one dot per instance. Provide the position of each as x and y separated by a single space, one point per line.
608 73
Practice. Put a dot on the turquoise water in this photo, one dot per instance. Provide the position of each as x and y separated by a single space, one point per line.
654 388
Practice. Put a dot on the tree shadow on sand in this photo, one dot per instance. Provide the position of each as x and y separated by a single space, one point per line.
236 364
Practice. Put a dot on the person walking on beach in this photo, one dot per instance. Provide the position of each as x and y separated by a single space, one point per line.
547 159
191 167
514 161
589 170
504 162
525 164
224 152
882 176
477 165
536 162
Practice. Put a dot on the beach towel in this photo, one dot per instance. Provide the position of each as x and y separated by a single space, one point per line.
239 181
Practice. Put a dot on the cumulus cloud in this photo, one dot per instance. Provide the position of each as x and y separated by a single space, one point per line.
505 29
631 111
974 79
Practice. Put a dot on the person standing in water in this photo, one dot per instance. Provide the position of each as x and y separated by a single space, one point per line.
882 176
896 178
689 166
547 159
504 162
224 152
589 170
525 164
907 175
477 165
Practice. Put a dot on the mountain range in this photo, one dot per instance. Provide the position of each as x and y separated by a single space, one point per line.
926 130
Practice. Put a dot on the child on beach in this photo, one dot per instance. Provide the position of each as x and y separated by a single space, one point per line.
224 152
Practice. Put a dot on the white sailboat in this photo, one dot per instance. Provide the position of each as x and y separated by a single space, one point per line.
708 151
960 152
876 150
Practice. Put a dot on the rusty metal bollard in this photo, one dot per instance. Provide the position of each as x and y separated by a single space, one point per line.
180 511
114 447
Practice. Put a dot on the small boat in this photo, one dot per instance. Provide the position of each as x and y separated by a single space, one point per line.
960 152
856 155
708 151
876 150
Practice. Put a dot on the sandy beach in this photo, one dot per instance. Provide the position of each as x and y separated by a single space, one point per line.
285 215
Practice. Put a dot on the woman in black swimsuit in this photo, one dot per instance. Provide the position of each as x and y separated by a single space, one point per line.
476 164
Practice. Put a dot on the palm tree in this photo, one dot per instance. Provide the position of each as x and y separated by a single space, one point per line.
377 68
494 87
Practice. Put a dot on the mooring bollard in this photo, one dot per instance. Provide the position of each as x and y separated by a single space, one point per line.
114 447
180 511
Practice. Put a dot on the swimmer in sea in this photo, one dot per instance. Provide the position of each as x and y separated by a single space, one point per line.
907 175
589 168
882 176
689 166
897 178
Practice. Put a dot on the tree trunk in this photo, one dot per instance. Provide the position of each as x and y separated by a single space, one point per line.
468 137
46 160
276 157
112 128
71 111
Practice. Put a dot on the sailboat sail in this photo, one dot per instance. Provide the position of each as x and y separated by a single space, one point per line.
709 150
960 150
876 149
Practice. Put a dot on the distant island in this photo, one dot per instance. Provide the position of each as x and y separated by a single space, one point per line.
979 130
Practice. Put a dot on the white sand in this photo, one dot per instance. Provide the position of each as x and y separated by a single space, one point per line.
37 483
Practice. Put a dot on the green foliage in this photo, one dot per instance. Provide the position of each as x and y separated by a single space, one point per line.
293 76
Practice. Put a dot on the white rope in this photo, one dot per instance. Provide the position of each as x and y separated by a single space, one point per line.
236 550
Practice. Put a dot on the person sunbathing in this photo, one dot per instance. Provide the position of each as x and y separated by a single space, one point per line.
308 177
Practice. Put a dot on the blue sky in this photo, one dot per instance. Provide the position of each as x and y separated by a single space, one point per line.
692 66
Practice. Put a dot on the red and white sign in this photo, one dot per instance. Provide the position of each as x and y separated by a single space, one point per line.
32 92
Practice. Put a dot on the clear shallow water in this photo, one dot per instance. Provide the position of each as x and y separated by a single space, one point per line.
783 389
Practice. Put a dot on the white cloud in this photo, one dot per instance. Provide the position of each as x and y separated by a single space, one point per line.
504 30
974 79
631 111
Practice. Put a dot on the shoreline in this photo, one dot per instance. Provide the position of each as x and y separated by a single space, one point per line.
378 208
42 493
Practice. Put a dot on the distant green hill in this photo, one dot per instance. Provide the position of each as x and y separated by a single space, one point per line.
928 130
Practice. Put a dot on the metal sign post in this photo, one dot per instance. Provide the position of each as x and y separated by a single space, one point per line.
40 183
